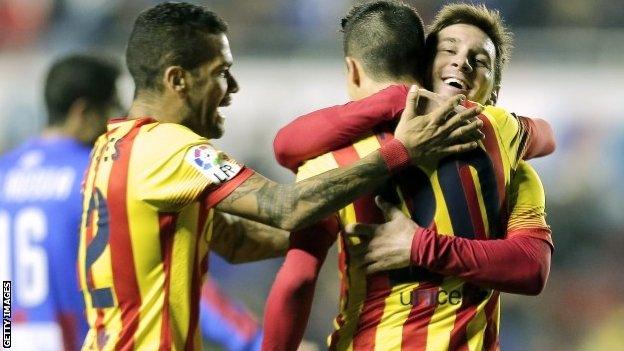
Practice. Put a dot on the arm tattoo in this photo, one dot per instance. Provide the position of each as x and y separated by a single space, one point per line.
240 240
293 206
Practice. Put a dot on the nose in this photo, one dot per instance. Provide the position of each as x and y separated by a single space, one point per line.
463 63
232 84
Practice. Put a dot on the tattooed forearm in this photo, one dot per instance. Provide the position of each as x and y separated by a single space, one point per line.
293 206
239 240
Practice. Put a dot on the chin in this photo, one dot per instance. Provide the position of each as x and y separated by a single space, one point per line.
215 131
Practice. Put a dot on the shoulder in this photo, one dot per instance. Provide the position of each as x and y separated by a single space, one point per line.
341 157
167 138
501 118
316 166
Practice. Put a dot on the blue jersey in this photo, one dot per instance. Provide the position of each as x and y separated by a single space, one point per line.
40 209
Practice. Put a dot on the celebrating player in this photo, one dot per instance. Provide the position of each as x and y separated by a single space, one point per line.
39 224
40 204
154 180
448 297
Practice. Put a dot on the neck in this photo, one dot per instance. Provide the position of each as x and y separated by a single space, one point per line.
158 107
67 130
373 87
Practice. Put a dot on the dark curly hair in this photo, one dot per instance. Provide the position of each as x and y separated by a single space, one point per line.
170 34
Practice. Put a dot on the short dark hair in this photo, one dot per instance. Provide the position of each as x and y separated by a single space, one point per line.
489 21
388 36
78 76
169 34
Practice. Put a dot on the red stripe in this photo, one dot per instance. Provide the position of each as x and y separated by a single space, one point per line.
122 256
343 157
204 210
68 324
493 150
346 156
415 326
490 340
377 287
167 223
470 192
459 339
214 196
343 264
377 291
465 313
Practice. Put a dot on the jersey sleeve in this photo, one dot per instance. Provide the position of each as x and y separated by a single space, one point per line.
540 140
187 168
331 128
510 132
527 205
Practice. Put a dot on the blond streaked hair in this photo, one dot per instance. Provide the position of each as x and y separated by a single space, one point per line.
489 21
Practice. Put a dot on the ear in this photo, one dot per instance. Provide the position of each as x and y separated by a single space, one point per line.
353 71
77 110
175 79
493 96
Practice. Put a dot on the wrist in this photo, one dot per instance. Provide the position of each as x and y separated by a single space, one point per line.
395 155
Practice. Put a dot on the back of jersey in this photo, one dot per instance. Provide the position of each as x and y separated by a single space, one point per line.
40 209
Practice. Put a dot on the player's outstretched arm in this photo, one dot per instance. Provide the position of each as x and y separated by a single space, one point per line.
336 126
239 240
290 300
541 138
292 206
518 264
328 129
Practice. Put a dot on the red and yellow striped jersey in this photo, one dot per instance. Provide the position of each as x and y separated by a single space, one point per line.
145 233
465 195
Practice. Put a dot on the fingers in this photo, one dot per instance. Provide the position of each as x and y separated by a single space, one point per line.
390 211
360 229
377 263
468 133
439 114
411 102
439 100
458 148
460 119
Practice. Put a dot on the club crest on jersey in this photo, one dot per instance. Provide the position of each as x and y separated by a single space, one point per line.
212 163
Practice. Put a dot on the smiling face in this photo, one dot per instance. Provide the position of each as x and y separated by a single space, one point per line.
212 84
464 63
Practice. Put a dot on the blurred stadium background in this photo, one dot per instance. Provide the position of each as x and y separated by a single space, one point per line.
567 67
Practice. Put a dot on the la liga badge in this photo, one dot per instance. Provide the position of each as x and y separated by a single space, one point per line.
214 164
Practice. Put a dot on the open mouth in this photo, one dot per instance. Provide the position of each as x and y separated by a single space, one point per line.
227 100
456 83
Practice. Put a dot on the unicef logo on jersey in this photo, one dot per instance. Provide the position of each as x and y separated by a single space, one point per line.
212 163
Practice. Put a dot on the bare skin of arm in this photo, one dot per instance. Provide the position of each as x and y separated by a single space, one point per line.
239 240
294 206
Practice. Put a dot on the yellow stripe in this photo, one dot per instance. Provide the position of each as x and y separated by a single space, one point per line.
442 218
475 330
366 146
443 319
506 146
144 236
317 166
389 336
357 277
482 210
